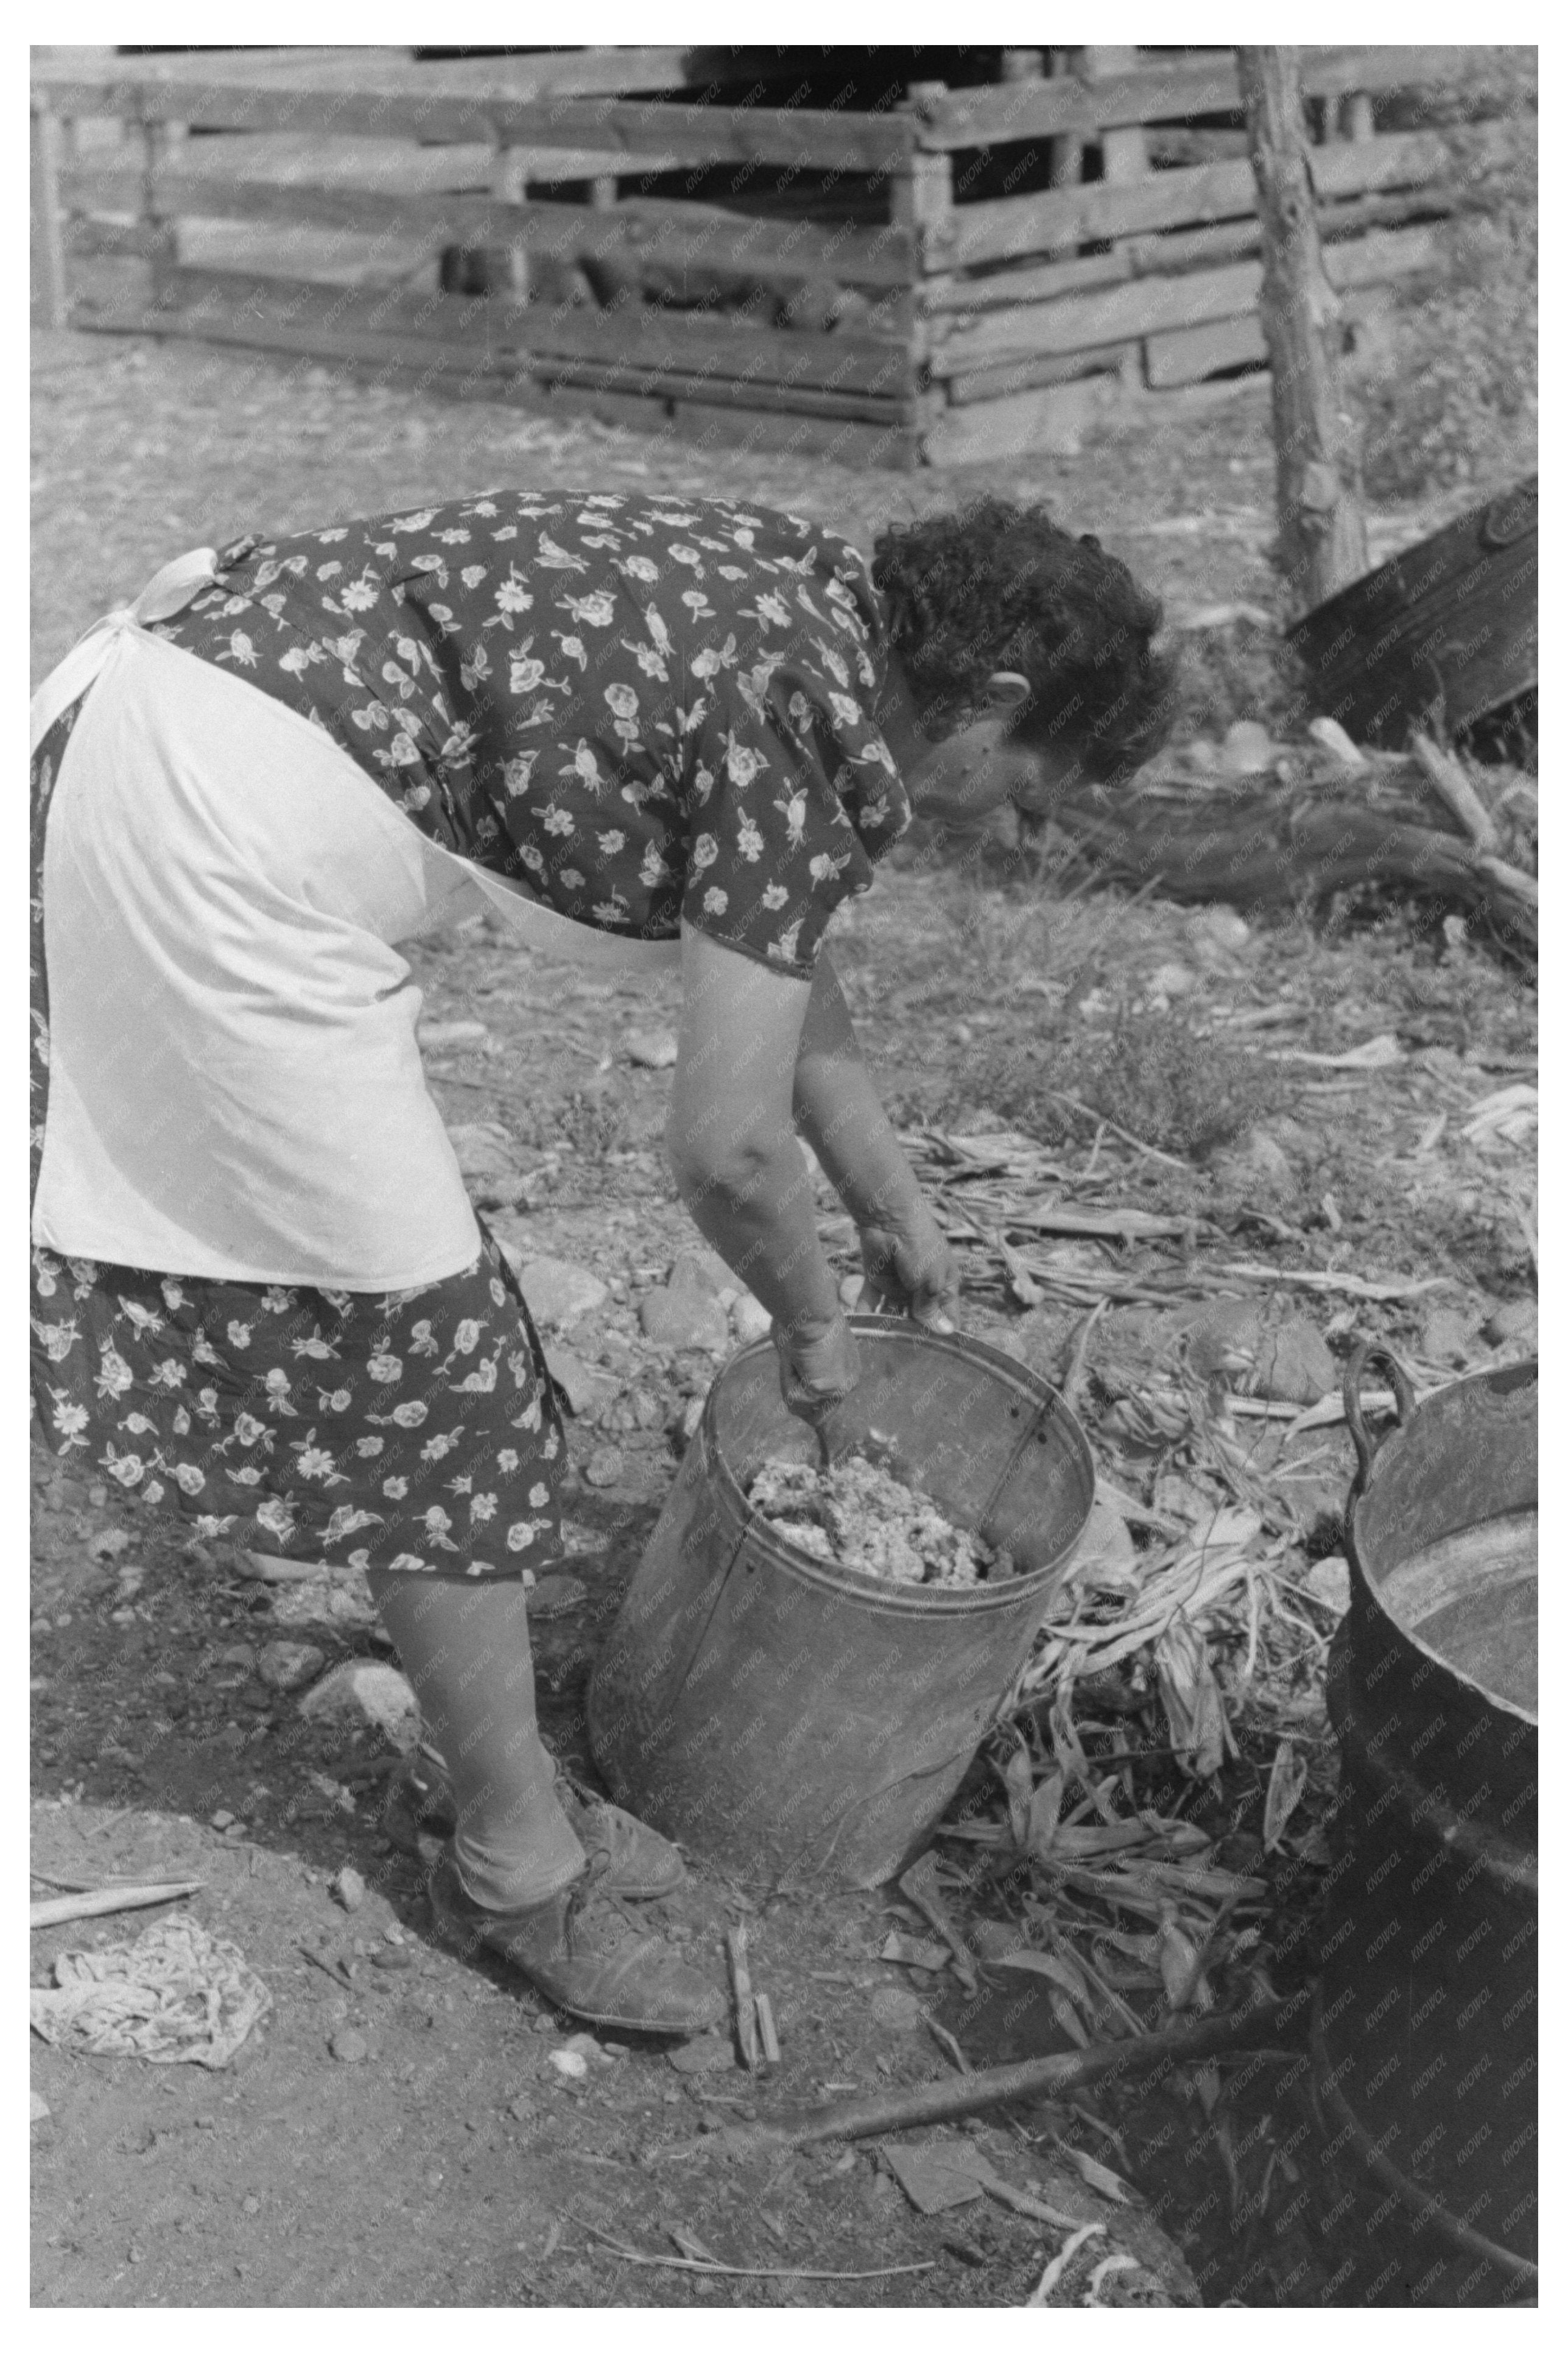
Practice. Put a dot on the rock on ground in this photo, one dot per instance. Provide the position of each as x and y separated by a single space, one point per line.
1107 1545
1519 1321
1256 1167
372 1691
482 1150
286 1666
1446 1335
1294 1366
652 1050
688 1317
557 1293
749 1319
586 1388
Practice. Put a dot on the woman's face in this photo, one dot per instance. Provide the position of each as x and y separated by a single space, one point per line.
959 780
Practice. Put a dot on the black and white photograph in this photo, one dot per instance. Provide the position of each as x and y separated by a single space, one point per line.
783 1106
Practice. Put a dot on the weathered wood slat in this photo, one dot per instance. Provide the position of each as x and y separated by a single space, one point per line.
452 333
690 344
845 443
1152 306
130 240
401 166
1193 352
1002 288
1198 248
1029 374
1015 225
624 128
1000 111
665 231
1166 92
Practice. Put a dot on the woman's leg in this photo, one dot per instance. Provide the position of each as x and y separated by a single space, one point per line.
465 1648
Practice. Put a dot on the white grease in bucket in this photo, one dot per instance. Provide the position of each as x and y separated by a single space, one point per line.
1472 1598
858 1514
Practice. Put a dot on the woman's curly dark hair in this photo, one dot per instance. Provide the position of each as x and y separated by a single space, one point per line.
1000 586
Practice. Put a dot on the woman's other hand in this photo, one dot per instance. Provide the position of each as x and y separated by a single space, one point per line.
910 1271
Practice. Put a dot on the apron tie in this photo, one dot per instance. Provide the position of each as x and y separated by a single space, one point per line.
167 593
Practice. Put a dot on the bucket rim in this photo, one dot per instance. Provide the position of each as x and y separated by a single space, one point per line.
887 1592
1524 1374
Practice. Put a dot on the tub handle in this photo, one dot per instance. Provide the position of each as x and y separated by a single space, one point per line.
1365 1353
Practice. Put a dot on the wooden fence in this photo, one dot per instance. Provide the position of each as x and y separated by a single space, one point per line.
865 283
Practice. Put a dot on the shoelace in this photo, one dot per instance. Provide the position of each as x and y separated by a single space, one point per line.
589 1890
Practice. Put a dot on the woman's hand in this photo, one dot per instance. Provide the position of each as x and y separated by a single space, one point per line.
819 1364
910 1271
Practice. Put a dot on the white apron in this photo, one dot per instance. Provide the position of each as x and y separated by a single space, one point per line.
236 1088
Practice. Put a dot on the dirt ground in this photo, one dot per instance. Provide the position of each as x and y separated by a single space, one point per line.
453 2162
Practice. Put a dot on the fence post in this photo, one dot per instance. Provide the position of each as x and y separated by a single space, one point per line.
920 198
163 253
1355 115
1124 156
509 185
48 219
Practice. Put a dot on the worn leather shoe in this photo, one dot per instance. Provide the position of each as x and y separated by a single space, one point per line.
642 1866
583 1952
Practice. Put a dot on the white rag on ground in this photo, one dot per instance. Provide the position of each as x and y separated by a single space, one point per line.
236 1088
175 1993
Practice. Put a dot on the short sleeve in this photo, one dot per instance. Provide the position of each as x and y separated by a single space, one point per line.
789 793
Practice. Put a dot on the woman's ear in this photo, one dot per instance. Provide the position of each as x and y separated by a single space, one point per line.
1004 691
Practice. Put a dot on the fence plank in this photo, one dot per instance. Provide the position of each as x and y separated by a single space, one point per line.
1168 91
1015 225
1028 374
1193 352
845 443
1203 192
707 359
1001 288
1184 249
422 359
666 230
1150 306
985 116
1078 321
623 129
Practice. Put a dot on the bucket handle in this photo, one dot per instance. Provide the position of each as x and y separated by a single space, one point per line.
1365 1353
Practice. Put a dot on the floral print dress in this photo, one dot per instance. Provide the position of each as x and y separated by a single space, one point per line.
647 712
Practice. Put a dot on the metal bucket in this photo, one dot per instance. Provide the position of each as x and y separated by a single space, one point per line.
1426 2033
790 1719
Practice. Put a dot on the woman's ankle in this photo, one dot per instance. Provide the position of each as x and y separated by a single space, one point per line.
512 1883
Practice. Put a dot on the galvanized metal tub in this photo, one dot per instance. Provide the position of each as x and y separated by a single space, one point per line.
1425 2032
789 1719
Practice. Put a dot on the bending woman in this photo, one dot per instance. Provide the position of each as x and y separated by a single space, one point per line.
645 731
